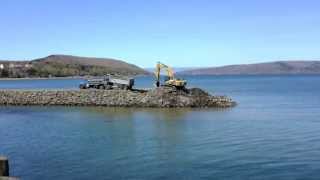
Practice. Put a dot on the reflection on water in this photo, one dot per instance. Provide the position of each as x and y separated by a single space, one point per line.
116 113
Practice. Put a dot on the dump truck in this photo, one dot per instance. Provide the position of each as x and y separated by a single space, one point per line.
108 81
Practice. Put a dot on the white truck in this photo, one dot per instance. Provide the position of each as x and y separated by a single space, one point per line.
108 82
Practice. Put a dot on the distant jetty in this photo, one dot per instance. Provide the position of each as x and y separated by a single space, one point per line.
162 97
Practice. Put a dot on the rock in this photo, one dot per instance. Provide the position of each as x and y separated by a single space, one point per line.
4 166
158 97
8 178
198 92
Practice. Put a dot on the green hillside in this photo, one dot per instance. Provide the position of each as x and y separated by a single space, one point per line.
64 66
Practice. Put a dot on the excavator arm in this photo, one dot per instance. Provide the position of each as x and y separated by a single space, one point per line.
168 69
171 81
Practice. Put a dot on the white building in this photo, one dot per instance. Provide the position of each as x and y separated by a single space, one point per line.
1 66
16 65
28 65
11 65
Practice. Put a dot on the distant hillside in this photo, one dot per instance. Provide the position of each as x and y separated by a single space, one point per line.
279 67
63 66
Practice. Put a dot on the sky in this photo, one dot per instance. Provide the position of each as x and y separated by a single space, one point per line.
180 33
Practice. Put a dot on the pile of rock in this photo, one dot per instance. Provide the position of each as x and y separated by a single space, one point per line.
158 97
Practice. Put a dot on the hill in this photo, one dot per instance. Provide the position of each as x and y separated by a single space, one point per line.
278 67
64 65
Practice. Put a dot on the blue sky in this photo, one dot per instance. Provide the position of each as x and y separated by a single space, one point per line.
178 32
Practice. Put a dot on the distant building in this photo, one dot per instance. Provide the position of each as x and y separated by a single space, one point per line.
11 65
28 65
17 65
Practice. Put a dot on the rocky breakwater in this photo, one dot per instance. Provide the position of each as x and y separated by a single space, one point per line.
158 97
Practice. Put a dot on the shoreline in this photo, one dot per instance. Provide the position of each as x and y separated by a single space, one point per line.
191 75
41 78
57 78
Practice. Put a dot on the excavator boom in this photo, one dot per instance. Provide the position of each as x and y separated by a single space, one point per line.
171 80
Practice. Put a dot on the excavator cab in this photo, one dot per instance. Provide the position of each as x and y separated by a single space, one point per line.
170 80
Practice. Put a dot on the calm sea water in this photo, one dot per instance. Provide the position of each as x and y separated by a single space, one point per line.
274 133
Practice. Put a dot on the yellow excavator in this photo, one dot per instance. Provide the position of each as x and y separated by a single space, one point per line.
170 80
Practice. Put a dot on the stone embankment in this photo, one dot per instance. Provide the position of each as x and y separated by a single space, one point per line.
159 97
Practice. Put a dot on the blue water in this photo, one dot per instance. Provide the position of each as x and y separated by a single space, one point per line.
40 84
273 133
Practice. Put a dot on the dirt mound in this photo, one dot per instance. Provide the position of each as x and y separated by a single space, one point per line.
198 92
